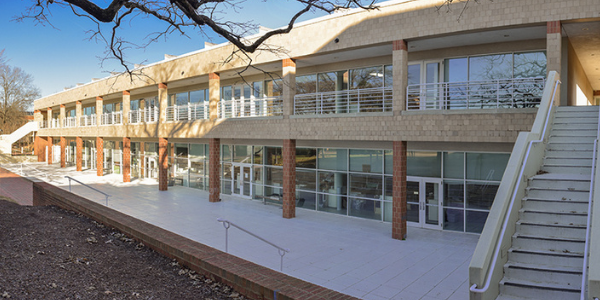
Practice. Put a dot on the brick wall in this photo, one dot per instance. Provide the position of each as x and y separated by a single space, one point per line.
126 159
247 278
399 191
214 165
99 156
63 146
163 165
79 153
289 178
49 144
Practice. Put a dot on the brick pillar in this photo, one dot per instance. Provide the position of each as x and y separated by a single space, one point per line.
289 86
214 170
163 164
126 159
399 191
78 112
62 116
99 156
400 70
49 146
289 179
126 105
214 95
554 55
79 153
63 147
39 146
142 148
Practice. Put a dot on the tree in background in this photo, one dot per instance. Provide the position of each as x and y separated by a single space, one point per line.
17 93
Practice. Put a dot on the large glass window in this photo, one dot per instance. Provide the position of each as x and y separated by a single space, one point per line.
274 156
495 66
425 164
486 166
306 158
333 159
306 84
333 81
365 78
367 161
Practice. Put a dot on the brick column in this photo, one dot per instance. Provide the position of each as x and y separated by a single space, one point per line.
214 95
62 116
99 111
126 107
289 179
99 156
78 112
126 159
400 70
79 153
554 54
214 170
289 86
399 191
39 146
49 117
63 146
49 146
142 148
163 164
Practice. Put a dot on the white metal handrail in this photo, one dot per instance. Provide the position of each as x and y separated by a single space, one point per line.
54 123
69 122
188 112
115 117
501 93
282 251
589 216
488 278
101 192
348 101
253 107
43 124
87 120
151 114
136 116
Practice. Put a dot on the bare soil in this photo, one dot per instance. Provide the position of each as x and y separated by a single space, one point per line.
50 253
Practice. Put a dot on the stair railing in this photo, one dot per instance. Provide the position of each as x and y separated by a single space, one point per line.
589 218
507 216
99 191
282 251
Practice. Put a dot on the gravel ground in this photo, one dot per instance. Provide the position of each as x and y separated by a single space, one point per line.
50 253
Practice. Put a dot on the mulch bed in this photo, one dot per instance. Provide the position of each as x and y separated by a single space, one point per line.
51 253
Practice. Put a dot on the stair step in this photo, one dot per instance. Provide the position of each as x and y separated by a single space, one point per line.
589 154
575 126
562 245
545 193
549 258
552 230
549 217
572 139
591 132
541 274
556 205
566 182
531 290
570 146
577 108
567 169
572 162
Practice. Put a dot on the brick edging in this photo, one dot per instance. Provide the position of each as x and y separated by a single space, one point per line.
247 278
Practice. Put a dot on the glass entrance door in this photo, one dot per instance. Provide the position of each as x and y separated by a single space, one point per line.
424 91
423 202
241 179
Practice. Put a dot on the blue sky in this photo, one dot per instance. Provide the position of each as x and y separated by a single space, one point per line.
63 56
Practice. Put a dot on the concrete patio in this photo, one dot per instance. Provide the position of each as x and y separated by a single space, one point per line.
354 256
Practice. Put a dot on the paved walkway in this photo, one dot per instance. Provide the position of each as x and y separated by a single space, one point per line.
15 187
354 256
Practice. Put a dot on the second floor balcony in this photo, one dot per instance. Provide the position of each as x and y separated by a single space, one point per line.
348 101
244 108
112 118
87 120
189 112
147 115
69 122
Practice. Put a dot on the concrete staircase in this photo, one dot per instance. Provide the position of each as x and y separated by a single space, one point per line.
7 140
546 257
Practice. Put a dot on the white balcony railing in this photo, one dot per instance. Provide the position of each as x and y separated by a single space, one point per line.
502 93
150 114
69 122
189 112
87 120
262 107
349 101
54 123
43 124
136 116
112 118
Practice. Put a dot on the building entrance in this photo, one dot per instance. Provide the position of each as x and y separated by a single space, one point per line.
241 183
423 197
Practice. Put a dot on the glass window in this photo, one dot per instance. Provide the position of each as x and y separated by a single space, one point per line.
273 176
368 209
481 195
257 176
414 74
490 67
426 164
333 81
456 69
242 154
181 150
388 73
306 84
306 158
366 161
274 88
197 151
366 186
181 99
333 159
198 96
134 104
454 194
258 155
364 78
226 93
306 180
454 165
333 182
226 153
486 166
527 65
476 221
257 89
274 156
454 219
389 161
306 200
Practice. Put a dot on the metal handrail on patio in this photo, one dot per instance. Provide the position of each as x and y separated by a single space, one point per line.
227 224
348 101
254 107
501 93
101 192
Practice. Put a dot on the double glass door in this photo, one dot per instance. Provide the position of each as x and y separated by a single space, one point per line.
242 178
427 95
423 197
